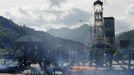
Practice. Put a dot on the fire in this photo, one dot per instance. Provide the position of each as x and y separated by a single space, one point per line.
76 68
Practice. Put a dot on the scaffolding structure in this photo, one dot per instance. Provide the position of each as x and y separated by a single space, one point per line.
103 45
98 35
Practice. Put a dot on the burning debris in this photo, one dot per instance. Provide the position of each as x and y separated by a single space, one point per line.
76 68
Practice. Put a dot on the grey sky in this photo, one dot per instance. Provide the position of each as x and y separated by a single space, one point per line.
47 14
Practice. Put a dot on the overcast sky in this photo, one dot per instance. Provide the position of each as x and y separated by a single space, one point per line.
47 14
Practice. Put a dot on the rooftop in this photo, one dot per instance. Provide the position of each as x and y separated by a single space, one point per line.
98 2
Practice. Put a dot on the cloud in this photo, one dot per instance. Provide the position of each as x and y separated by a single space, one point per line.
47 14
121 25
130 14
56 2
106 1
44 18
23 12
35 18
130 10
74 16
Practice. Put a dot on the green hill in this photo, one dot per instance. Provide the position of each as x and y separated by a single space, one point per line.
81 34
126 35
10 31
129 35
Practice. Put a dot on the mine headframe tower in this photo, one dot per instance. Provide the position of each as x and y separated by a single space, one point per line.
99 43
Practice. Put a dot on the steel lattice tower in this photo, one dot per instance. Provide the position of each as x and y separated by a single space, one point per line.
98 41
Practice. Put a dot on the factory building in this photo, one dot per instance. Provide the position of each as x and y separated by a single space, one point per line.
109 29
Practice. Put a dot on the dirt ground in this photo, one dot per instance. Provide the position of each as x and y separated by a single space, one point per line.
11 74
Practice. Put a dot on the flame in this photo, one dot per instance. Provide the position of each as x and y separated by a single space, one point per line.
76 68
